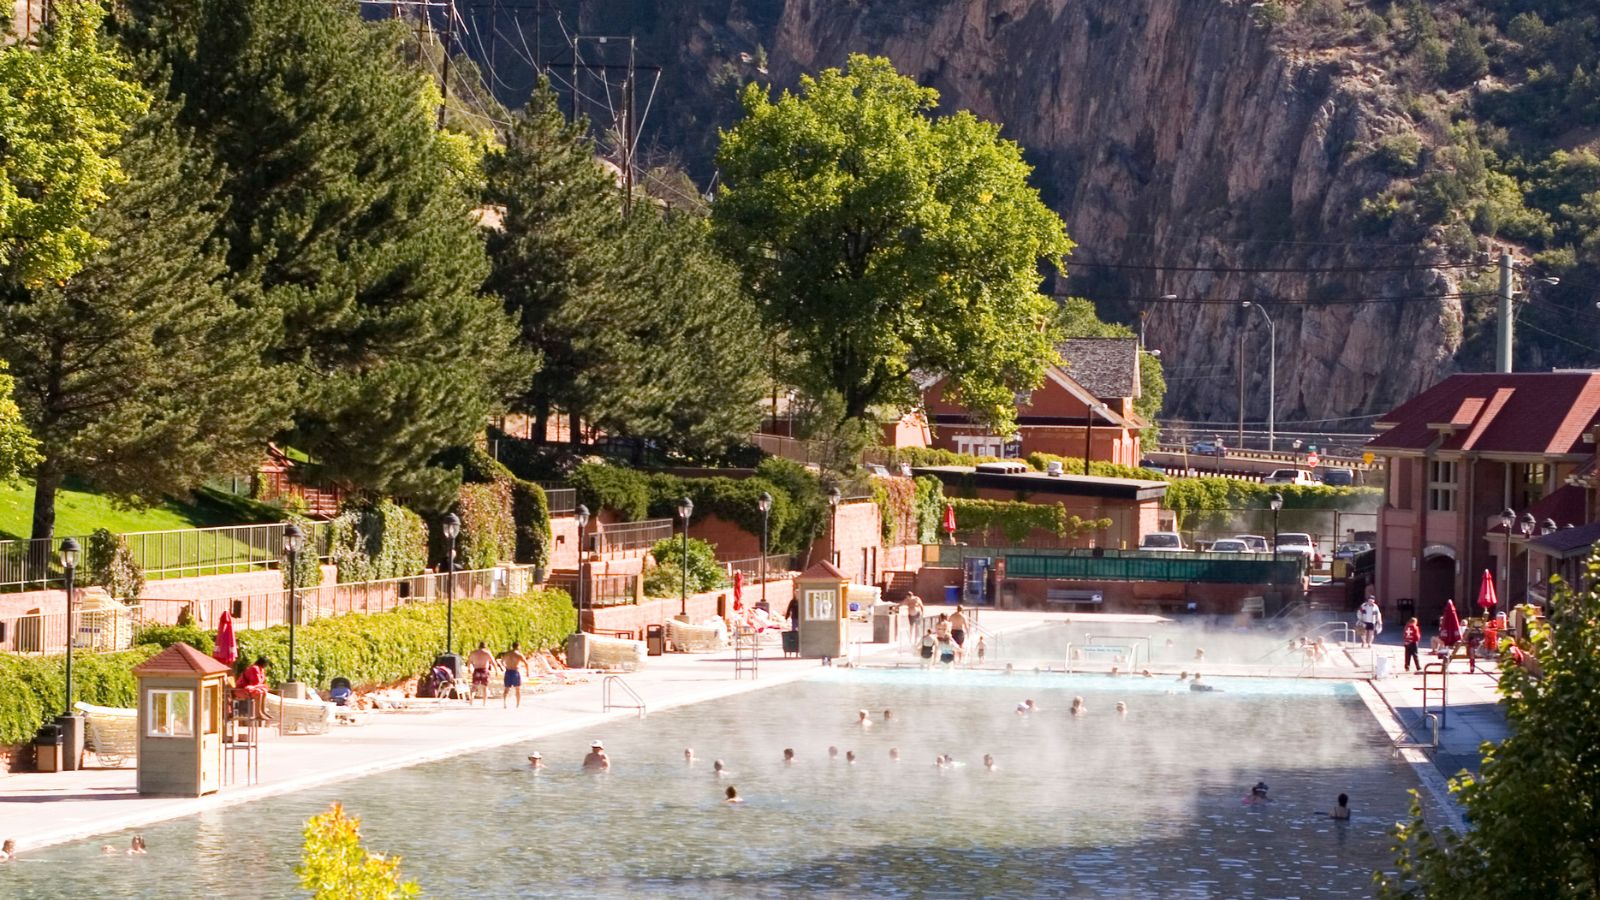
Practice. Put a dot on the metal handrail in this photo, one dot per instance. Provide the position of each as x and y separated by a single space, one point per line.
626 536
172 553
1340 626
612 682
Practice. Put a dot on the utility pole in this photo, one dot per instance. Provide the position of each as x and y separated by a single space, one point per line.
1239 358
626 119
1503 335
445 39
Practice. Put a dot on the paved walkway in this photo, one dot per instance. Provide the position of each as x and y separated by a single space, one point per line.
42 809
1471 716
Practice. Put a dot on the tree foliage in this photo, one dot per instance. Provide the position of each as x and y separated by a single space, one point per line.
665 579
880 241
19 451
64 107
140 374
1534 808
345 211
334 865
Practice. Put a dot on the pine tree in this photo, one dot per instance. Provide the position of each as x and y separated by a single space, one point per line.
344 209
140 374
559 245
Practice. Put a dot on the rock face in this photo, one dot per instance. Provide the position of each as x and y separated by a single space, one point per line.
1178 141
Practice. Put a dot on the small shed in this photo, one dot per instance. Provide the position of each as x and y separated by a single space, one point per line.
181 696
820 591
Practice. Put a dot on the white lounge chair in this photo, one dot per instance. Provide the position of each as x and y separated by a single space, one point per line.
300 716
111 732
686 638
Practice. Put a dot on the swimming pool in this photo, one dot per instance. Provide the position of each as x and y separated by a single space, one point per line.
1147 805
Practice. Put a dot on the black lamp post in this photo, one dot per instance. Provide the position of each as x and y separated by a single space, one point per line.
1508 518
1527 525
452 527
833 524
583 558
292 536
69 564
1276 502
685 510
70 723
764 503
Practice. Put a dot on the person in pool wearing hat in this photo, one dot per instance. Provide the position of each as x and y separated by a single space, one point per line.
597 760
1258 793
536 760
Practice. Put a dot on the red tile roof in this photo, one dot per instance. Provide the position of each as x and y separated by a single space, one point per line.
824 569
1545 413
180 659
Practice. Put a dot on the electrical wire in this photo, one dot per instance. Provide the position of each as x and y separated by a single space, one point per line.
1226 270
1337 301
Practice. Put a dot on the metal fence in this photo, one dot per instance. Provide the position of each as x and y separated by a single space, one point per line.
623 537
161 554
613 590
1134 565
777 565
563 500
97 631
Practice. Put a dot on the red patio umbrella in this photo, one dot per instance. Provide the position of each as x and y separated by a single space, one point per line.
227 651
1486 595
950 520
1450 624
738 591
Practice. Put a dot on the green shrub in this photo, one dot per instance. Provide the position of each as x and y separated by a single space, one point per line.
530 511
387 647
1465 62
1399 153
164 636
932 456
1016 520
930 508
666 579
1074 466
383 540
36 687
112 566
1211 498
897 507
625 492
488 527
307 570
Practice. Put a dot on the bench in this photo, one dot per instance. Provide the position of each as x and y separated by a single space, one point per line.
1077 599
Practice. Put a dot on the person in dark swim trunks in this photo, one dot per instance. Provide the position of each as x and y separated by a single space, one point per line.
515 664
482 663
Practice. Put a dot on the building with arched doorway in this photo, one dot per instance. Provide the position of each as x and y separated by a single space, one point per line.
1460 454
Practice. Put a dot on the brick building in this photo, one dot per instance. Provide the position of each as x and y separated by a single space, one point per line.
1085 403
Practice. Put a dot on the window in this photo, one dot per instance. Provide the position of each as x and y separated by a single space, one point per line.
1532 487
820 605
1441 486
170 714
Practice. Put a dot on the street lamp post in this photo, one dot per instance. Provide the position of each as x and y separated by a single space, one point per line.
1548 526
70 723
764 503
1272 375
833 524
451 528
1527 525
583 559
1276 502
1508 518
685 510
292 536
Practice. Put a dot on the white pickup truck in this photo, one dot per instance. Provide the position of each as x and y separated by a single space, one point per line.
1289 476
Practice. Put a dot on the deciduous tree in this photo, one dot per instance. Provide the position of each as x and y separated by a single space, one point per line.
880 241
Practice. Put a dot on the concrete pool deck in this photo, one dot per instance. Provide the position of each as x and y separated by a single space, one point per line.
40 809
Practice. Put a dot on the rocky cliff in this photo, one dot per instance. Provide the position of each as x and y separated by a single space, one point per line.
1180 140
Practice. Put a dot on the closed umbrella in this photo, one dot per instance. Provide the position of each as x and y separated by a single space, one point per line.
227 651
1486 595
950 521
738 591
1450 624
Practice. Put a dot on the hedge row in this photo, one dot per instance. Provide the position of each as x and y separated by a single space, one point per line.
1016 520
35 687
1213 498
1073 465
372 543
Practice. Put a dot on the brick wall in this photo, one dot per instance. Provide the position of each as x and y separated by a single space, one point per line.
163 593
701 606
731 541
859 546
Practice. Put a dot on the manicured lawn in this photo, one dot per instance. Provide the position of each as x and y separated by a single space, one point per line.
80 512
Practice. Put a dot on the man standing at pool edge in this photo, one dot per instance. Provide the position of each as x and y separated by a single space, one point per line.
1370 618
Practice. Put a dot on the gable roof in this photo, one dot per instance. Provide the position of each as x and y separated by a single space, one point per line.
823 569
1543 413
180 659
1107 367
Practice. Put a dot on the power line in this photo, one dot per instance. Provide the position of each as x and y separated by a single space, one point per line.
1336 301
1226 270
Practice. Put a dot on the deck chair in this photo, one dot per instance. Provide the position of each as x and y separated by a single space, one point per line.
300 716
111 732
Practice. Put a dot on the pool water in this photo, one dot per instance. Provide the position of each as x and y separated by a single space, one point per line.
1146 805
1136 646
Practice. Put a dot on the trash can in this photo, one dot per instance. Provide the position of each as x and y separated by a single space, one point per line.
655 639
883 622
47 748
952 594
791 642
1380 667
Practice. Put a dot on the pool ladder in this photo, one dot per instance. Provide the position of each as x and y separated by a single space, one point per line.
607 696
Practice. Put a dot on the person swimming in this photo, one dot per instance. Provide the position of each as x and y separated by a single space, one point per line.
718 769
1341 810
1122 708
1146 674
1184 675
788 756
1078 708
1199 654
894 754
888 714
136 846
1195 685
850 757
536 760
688 755
1258 793
833 753
988 762
862 719
732 795
8 850
597 760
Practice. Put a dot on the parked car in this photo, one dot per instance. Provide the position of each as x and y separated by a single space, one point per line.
1365 537
1338 477
1297 543
877 471
1230 545
1289 476
1208 448
1254 543
1164 541
1152 465
1351 549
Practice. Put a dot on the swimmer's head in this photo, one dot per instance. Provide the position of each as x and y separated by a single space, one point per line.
833 752
788 754
1122 708
850 756
894 753
688 754
716 766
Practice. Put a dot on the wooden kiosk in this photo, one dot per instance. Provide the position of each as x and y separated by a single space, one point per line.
824 611
181 697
